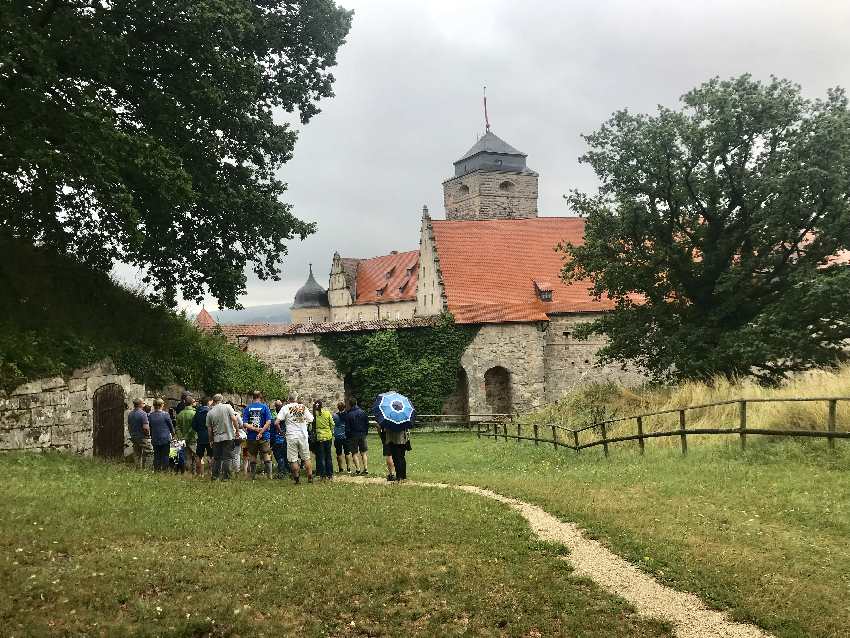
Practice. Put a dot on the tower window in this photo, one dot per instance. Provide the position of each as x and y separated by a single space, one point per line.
463 190
507 187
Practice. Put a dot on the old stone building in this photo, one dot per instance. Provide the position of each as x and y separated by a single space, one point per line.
491 262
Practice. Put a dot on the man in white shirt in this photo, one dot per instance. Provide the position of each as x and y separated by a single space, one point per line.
295 416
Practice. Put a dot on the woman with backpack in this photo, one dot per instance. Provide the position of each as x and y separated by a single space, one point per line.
323 425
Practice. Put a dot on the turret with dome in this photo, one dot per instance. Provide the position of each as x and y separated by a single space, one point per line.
311 302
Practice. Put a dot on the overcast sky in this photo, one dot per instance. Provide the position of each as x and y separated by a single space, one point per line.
408 99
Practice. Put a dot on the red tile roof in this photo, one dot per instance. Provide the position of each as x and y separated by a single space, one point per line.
204 320
388 278
233 331
489 269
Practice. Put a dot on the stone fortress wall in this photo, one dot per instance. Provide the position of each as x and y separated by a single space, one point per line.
508 367
62 414
57 414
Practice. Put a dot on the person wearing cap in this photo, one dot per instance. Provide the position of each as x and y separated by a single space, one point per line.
140 433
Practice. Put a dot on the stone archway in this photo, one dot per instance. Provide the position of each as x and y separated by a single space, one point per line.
457 403
498 391
108 405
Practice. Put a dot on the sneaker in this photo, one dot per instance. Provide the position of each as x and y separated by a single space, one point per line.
390 477
357 472
365 472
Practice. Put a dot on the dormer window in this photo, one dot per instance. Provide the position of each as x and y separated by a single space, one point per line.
390 272
380 291
543 290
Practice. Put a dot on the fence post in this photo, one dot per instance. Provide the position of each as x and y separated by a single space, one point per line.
640 433
742 418
536 439
683 435
575 438
830 425
506 431
478 429
605 438
518 432
554 439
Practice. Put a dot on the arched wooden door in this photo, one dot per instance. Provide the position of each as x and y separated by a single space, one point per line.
108 412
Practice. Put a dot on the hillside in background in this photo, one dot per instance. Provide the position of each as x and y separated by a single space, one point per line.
269 313
59 315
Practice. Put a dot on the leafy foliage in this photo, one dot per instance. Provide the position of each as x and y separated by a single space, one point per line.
143 131
713 230
421 363
61 316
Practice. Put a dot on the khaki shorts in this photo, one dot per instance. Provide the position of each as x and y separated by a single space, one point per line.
260 446
142 446
297 449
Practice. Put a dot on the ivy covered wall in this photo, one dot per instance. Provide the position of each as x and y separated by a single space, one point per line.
421 363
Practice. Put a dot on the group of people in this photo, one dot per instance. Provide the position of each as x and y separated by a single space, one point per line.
290 433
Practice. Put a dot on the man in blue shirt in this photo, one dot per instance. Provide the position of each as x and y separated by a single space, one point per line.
356 429
162 433
140 433
257 419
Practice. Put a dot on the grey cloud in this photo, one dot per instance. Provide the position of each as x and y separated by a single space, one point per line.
408 98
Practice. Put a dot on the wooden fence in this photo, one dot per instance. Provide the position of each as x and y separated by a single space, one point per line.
506 426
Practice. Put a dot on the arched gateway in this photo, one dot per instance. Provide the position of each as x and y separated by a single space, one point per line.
108 418
497 390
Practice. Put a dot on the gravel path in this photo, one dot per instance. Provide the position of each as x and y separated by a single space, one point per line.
687 613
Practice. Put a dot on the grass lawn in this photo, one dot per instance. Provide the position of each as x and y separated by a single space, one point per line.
764 534
89 548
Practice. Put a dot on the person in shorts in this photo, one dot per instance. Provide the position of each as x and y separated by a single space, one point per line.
257 419
295 418
140 433
340 442
202 445
356 430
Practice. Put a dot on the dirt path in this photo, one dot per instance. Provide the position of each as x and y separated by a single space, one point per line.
687 613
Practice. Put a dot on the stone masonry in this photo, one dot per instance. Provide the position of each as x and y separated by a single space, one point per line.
491 195
56 414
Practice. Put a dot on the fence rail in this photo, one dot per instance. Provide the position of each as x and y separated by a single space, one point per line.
506 426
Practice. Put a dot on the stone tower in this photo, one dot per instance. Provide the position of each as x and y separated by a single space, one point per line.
491 181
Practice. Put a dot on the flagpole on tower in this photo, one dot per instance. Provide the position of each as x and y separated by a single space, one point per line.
486 118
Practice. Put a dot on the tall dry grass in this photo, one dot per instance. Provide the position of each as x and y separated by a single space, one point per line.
595 403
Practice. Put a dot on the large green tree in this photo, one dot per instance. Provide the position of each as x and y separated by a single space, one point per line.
143 132
713 231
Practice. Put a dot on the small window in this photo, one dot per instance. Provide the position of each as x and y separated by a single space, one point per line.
567 334
507 187
309 319
463 190
359 316
545 295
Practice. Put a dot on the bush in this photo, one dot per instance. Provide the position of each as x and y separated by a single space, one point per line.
64 316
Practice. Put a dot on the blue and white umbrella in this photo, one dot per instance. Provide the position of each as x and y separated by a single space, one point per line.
393 411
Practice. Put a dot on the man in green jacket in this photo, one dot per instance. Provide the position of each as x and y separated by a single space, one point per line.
188 434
